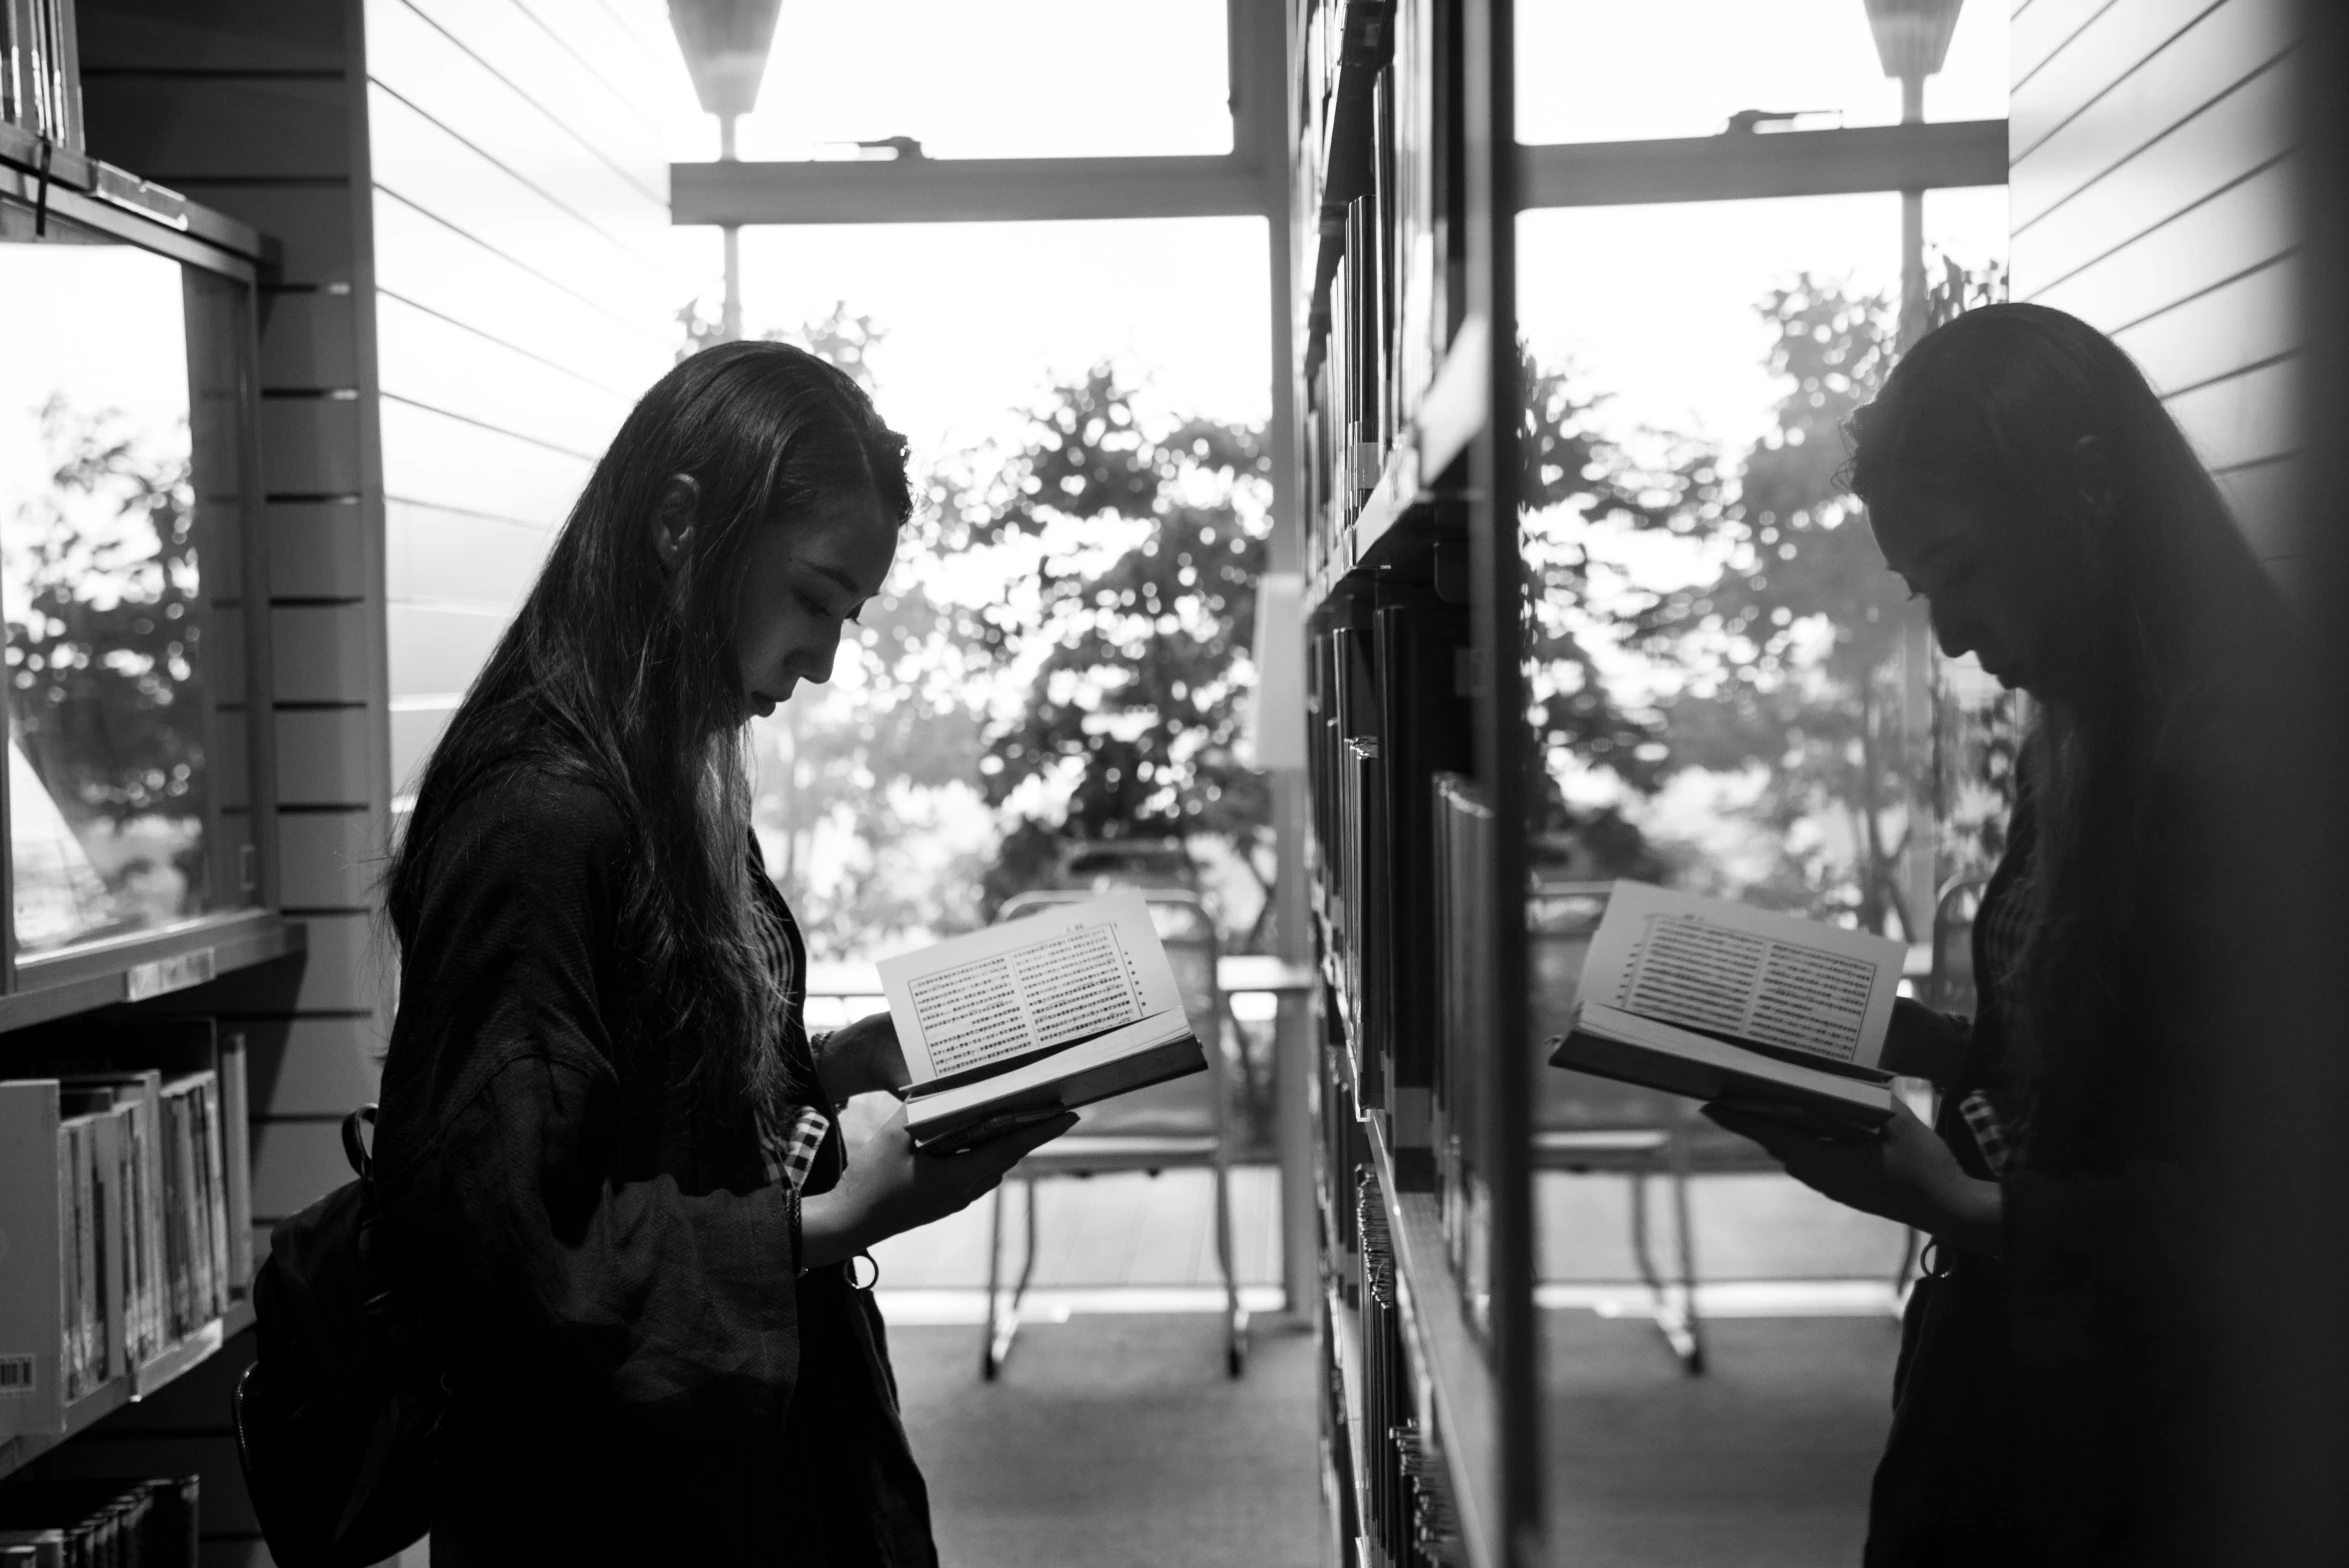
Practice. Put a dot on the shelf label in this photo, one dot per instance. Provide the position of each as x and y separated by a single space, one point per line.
162 975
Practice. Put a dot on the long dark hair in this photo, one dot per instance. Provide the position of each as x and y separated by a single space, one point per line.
622 675
2051 434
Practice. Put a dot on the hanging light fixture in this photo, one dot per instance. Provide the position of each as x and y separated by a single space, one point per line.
725 44
1912 36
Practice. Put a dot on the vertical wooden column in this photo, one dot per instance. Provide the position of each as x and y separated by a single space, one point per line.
1488 72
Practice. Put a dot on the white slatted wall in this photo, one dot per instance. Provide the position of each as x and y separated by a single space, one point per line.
2150 143
524 298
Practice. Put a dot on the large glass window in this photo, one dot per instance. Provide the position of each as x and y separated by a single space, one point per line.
1727 663
1052 687
119 442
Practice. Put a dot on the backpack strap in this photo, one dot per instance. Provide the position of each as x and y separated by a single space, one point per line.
356 1142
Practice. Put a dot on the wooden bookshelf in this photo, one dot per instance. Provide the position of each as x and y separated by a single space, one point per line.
1406 397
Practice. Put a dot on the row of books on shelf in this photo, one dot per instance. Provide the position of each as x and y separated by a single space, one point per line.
1658 995
40 70
100 1523
125 1215
1400 1506
1395 283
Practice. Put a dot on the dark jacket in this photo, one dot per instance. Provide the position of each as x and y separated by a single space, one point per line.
637 1376
2038 1400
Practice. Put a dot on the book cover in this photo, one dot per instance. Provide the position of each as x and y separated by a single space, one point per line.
1052 1011
236 1115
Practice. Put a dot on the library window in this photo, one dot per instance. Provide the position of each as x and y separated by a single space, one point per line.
1728 688
1010 373
120 437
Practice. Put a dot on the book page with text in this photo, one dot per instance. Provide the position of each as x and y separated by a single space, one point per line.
1746 973
1067 973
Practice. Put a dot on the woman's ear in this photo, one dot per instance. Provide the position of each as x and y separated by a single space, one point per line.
674 517
2092 476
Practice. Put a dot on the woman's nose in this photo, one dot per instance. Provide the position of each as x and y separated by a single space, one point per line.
814 665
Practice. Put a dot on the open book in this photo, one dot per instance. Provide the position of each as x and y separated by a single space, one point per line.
1019 1022
1716 1001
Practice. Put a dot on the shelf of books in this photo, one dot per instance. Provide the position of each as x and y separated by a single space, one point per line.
1420 1177
125 1220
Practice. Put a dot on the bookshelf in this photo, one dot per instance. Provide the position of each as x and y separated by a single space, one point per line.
1405 396
119 1392
97 946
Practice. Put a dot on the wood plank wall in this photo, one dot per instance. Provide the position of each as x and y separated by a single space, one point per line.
522 300
2149 143
472 199
255 107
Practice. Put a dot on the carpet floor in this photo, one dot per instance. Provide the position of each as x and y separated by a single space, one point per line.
1763 1462
1116 1441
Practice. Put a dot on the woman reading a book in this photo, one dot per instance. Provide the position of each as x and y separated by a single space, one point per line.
610 1158
2022 477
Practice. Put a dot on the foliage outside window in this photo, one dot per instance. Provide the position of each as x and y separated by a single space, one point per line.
101 583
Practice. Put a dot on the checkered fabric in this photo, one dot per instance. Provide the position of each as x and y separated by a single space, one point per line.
788 1141
2006 924
791 1151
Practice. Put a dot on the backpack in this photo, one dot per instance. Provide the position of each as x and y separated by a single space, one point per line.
336 1422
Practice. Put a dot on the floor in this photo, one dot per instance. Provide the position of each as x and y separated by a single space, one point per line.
1112 1421
1116 1440
1761 1463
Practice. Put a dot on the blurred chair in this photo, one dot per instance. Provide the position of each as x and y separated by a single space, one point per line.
1590 1125
1174 1124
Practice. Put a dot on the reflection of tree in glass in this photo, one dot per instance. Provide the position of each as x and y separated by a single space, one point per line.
104 684
1786 662
1572 477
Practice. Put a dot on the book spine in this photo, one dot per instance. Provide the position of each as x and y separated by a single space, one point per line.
215 1196
32 1216
138 1128
176 1172
87 1310
158 1251
236 1114
113 1246
187 1215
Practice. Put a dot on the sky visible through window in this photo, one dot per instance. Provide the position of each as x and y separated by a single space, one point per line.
1007 79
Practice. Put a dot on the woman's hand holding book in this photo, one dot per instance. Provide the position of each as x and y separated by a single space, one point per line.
1922 1043
890 1186
1906 1173
861 1058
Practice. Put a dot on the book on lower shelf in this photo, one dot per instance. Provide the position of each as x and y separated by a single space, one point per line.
153 1523
115 1225
1011 1025
1717 1001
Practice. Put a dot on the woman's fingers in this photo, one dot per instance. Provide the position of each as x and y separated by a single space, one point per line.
1001 1154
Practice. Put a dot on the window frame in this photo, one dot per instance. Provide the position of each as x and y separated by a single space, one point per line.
137 965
